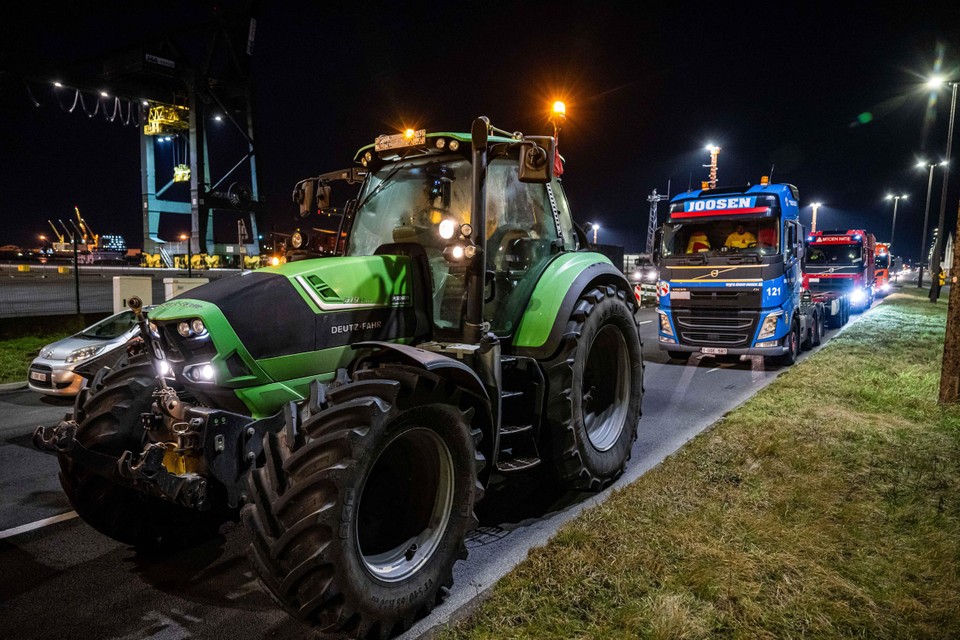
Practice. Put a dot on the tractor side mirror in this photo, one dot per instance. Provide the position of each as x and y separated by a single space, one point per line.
323 197
305 195
536 159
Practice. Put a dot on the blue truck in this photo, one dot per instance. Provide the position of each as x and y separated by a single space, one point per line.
730 275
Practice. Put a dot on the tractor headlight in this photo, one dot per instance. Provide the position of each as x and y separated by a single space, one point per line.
154 330
183 328
296 240
665 324
200 372
164 369
769 326
197 325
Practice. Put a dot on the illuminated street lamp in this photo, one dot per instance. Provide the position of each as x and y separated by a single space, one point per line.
714 152
595 227
896 201
813 222
935 83
184 236
926 216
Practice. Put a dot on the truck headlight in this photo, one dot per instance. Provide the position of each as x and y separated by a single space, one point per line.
769 326
665 324
858 296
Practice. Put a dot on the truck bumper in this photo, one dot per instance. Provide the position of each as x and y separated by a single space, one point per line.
777 350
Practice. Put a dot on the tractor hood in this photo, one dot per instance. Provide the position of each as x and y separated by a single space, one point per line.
285 324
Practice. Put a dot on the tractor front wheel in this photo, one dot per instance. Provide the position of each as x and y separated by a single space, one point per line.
361 508
109 423
596 388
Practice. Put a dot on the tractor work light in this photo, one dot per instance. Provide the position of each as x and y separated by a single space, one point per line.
769 326
447 228
454 145
441 143
466 229
164 369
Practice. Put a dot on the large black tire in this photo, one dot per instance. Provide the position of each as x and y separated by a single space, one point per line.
789 358
109 422
360 511
595 390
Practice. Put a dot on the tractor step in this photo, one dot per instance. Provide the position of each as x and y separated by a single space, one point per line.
514 429
514 465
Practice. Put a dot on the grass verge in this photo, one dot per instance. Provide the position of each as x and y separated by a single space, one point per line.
17 353
826 506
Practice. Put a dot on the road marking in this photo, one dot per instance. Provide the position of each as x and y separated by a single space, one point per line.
39 524
645 322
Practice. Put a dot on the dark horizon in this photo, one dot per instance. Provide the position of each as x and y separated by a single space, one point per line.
829 98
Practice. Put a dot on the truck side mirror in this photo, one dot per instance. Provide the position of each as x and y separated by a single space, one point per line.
536 159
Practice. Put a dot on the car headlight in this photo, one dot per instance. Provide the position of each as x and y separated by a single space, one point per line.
46 352
83 353
769 326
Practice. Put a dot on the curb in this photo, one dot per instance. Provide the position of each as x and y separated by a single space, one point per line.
12 386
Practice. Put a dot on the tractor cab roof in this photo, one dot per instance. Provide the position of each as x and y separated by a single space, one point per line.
410 144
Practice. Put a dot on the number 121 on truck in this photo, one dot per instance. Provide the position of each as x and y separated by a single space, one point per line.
730 275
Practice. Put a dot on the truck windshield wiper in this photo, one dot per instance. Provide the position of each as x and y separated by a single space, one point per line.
745 257
696 258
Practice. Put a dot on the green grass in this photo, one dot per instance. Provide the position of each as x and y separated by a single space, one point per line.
17 353
827 506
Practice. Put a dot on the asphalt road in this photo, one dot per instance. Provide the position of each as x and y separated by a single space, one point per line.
62 579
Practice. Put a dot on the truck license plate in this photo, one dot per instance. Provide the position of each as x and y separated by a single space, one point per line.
717 351
38 376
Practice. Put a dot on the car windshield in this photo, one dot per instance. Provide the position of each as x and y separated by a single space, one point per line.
112 327
721 236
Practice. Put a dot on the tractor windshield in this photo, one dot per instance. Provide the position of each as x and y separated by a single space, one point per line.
405 202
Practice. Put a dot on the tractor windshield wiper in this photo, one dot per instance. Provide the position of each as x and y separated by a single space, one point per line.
383 183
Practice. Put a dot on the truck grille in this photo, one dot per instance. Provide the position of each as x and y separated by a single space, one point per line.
716 327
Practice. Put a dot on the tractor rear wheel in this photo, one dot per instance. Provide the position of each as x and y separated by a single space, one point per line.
109 422
595 390
361 508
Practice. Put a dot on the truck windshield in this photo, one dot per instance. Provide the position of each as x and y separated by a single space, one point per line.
722 236
835 254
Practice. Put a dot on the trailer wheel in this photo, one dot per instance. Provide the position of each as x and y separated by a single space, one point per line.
360 510
595 390
109 423
793 342
816 332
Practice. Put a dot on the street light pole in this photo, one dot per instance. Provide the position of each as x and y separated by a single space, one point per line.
893 227
938 247
813 221
926 215
189 254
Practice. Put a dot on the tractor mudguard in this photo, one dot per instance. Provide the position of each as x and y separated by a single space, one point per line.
541 328
446 367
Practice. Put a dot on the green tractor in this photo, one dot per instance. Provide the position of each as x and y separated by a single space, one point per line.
352 409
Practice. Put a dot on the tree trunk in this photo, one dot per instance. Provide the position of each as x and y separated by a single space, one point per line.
950 372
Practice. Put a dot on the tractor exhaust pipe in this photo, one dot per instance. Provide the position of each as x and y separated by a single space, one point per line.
473 326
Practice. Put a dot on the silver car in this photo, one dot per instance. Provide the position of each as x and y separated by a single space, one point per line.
52 372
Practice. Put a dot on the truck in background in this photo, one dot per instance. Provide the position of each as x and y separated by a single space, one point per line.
883 264
839 267
730 275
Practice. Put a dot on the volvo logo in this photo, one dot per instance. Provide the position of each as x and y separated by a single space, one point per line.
714 273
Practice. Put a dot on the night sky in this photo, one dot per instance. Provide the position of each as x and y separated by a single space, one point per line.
829 96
